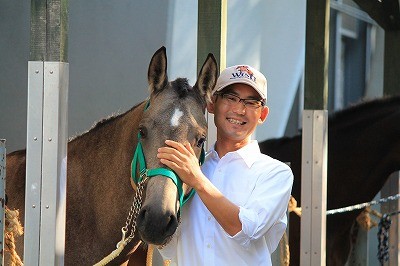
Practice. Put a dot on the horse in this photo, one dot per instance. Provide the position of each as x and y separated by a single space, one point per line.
100 189
363 150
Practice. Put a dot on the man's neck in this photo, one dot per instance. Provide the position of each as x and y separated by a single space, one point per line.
222 147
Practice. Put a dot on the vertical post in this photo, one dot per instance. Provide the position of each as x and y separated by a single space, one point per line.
2 196
212 24
48 76
315 134
392 186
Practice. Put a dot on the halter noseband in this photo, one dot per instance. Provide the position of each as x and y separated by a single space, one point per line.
145 173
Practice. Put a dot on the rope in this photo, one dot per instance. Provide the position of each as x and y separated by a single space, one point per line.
284 250
364 218
149 257
292 207
363 205
12 227
113 254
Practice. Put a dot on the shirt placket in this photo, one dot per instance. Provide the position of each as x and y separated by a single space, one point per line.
211 224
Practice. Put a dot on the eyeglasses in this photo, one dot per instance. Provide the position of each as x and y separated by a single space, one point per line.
232 99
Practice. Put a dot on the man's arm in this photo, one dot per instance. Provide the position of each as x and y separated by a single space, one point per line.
182 160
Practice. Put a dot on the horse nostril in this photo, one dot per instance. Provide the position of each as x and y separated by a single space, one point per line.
141 216
172 224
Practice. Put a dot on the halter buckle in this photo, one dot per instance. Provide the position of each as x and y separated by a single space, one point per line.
143 173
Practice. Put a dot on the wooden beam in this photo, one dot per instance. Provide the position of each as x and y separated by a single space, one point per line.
211 38
391 70
317 53
49 30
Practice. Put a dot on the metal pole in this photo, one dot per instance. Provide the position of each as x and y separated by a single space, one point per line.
315 134
48 76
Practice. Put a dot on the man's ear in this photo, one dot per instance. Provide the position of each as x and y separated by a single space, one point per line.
210 104
263 115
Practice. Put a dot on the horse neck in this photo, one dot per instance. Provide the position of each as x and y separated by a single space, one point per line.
99 192
109 142
366 144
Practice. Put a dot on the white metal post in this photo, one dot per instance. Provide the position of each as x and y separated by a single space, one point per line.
46 163
313 188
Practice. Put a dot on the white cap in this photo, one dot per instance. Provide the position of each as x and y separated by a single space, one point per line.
242 74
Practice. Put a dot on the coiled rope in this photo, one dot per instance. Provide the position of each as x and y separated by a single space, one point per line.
13 228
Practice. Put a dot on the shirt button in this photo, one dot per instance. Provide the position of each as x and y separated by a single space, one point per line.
209 218
208 246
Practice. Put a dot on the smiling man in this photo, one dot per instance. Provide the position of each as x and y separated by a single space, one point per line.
238 214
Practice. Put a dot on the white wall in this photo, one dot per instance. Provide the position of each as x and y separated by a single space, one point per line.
268 35
111 43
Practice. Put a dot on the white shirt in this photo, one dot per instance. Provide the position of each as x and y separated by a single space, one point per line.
261 187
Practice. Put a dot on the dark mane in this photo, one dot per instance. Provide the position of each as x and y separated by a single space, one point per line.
364 106
104 121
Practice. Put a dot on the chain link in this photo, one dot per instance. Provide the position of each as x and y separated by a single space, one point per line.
133 213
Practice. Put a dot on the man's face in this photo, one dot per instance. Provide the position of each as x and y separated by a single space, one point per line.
233 120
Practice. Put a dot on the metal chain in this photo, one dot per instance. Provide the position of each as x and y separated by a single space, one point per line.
133 213
363 205
383 239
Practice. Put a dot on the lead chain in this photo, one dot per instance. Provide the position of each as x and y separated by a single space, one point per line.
133 213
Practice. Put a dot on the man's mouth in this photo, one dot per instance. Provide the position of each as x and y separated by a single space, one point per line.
236 122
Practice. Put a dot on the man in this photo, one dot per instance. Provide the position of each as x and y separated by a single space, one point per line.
238 214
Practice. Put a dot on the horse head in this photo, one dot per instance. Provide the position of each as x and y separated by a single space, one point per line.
174 111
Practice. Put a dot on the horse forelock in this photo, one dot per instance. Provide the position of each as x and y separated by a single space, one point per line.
182 87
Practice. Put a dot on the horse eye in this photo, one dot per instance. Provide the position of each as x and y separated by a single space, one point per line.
142 132
201 141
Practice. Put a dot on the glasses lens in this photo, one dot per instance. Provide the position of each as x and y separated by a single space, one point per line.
234 99
252 103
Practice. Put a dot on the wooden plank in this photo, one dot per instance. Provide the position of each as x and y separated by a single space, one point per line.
391 73
49 30
317 53
212 24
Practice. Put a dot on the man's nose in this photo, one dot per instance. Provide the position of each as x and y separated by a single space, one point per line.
239 107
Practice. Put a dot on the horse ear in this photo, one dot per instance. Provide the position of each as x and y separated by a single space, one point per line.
157 73
207 77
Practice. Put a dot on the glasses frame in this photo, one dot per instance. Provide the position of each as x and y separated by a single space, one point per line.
247 103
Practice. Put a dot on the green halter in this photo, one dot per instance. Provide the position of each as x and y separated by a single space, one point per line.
144 172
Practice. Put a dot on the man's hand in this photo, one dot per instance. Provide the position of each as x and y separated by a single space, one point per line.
183 161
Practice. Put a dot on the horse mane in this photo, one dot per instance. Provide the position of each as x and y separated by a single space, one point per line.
101 123
365 105
182 88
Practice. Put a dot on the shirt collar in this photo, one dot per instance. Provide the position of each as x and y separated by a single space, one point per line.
249 153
